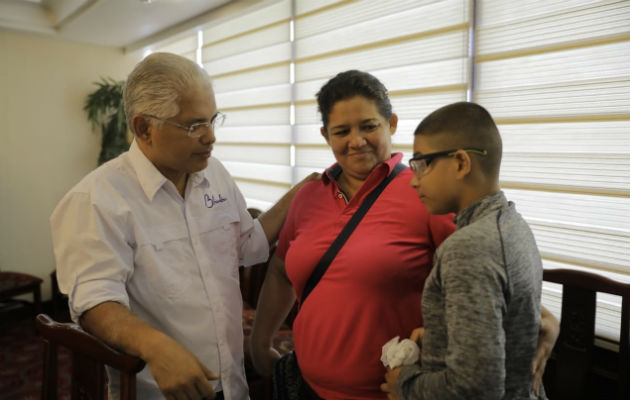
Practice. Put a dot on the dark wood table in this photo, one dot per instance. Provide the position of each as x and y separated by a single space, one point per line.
16 283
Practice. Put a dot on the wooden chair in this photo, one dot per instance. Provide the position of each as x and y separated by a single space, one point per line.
89 355
16 283
573 352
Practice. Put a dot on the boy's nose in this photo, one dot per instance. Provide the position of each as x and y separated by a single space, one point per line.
415 182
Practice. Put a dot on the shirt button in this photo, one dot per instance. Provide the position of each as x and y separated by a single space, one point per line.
340 195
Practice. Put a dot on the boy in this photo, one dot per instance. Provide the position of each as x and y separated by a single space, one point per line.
481 302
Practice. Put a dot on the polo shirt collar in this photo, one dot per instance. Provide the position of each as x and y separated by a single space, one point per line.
332 173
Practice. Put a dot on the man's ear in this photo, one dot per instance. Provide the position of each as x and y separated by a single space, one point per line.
322 130
142 128
393 124
464 164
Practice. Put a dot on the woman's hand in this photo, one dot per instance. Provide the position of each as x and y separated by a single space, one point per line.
263 358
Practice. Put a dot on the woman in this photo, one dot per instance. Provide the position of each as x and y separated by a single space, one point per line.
375 282
372 290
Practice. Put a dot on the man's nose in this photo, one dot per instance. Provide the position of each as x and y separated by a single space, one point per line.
208 136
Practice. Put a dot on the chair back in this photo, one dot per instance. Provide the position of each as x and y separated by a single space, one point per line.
573 351
89 355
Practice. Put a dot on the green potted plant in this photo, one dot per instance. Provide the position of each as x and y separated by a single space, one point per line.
105 109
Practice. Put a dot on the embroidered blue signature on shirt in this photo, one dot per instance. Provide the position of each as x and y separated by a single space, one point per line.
211 201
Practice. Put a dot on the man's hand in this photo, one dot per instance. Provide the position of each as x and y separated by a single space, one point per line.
273 218
313 176
179 374
391 381
547 336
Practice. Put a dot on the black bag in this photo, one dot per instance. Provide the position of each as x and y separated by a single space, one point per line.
287 378
288 383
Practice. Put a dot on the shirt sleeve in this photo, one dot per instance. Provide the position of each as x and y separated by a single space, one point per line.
474 306
94 259
287 233
253 244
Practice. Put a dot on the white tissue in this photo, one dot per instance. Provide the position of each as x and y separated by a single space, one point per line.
395 353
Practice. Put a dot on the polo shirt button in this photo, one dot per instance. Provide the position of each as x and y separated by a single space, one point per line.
339 195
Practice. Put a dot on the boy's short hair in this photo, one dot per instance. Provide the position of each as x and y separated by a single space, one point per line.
466 125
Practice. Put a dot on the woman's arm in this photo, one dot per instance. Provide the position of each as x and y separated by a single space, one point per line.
273 218
274 303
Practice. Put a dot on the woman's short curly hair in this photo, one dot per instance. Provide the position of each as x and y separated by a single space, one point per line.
348 84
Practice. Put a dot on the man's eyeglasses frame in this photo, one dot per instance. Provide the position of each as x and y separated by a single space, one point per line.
195 130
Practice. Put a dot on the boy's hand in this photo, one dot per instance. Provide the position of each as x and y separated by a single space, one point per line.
547 336
391 381
416 336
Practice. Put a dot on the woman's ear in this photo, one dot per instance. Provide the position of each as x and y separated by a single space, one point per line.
393 124
464 164
142 128
322 130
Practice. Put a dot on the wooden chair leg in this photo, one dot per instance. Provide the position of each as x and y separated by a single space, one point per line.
128 385
49 377
37 299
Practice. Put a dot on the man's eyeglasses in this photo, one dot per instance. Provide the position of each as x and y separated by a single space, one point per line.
198 128
419 164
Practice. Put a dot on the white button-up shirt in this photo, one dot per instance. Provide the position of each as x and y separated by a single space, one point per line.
124 234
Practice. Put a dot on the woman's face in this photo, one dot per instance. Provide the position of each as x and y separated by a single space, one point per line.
360 137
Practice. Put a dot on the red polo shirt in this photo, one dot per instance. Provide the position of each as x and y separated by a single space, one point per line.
371 292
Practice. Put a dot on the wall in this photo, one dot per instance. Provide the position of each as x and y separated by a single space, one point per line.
46 143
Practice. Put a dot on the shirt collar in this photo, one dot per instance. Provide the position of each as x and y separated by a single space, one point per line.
332 173
150 178
480 208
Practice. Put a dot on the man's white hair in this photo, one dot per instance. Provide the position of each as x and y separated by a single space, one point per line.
157 83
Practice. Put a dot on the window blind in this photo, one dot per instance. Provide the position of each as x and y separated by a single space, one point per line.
556 77
553 73
248 58
185 46
423 62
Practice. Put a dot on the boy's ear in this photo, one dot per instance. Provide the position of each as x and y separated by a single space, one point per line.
464 164
322 130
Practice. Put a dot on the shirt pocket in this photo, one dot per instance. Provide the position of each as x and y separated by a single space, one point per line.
219 240
165 262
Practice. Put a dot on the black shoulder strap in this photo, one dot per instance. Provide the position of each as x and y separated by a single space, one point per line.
345 233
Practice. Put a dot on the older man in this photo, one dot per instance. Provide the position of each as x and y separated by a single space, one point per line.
148 245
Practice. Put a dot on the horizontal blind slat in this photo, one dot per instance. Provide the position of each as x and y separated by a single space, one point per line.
443 14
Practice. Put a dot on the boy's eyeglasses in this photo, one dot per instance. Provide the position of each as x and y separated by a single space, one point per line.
198 128
419 164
